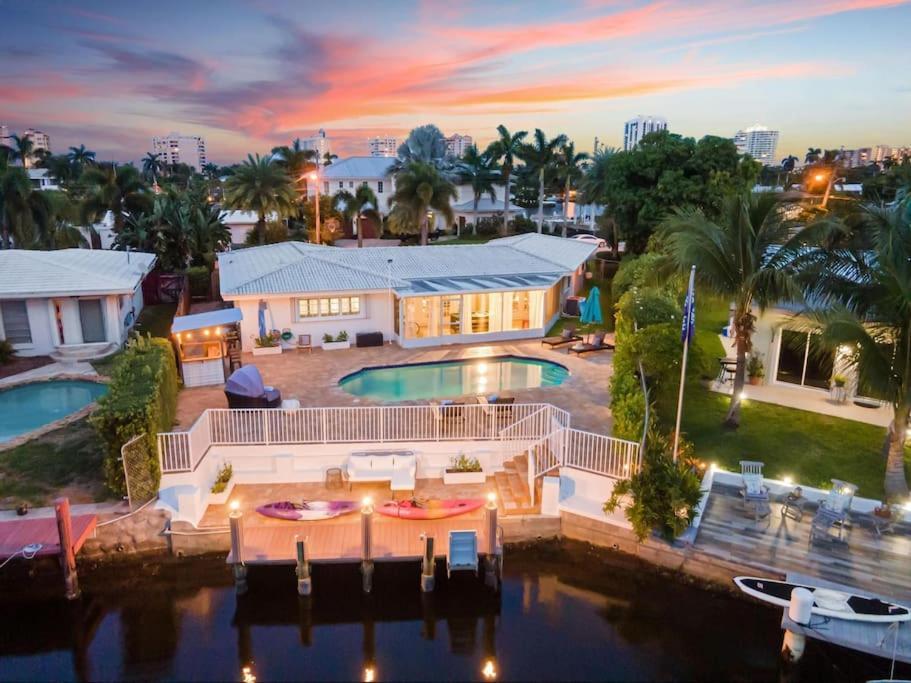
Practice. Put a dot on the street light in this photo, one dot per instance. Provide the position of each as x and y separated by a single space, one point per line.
314 176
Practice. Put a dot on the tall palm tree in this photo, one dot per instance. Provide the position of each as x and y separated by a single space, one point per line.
863 286
328 158
569 170
59 167
210 171
361 204
505 150
788 164
296 160
813 155
15 188
540 156
480 171
23 149
152 166
594 187
118 189
419 189
262 186
745 256
80 157
424 143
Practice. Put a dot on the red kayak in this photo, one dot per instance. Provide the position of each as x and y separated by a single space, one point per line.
430 509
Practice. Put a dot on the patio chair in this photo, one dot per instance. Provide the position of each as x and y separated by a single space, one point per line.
463 552
832 513
567 336
304 343
447 410
755 493
245 389
598 343
503 406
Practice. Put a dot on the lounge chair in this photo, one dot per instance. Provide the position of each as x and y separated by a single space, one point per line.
755 493
567 336
598 344
833 512
447 410
304 343
245 389
463 552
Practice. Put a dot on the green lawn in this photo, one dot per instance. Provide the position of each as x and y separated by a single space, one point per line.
66 459
607 310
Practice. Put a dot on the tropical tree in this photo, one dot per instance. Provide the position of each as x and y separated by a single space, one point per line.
569 170
862 284
540 157
745 256
210 171
59 167
296 161
813 155
80 157
788 164
419 189
361 204
593 185
424 143
53 221
118 189
262 186
23 149
480 171
505 150
15 188
328 158
152 166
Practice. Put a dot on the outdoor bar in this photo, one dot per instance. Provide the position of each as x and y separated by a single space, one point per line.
201 341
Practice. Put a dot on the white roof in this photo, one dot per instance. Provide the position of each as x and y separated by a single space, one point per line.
486 205
230 218
28 273
358 168
520 262
197 321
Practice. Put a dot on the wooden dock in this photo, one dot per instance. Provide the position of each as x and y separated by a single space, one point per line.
18 533
873 639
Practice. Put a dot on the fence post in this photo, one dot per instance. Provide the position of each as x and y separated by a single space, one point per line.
267 437
323 423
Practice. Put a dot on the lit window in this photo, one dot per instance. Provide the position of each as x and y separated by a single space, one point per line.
355 305
334 307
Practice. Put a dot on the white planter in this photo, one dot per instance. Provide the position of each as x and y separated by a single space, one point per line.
464 477
267 350
222 498
335 346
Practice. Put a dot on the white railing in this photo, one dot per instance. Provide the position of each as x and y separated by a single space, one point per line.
600 454
182 451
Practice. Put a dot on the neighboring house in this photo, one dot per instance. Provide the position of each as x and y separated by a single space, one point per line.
242 222
70 302
42 180
511 288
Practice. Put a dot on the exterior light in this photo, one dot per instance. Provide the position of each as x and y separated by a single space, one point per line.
713 466
367 505
312 175
369 674
743 396
178 336
819 177
206 332
787 480
189 335
492 497
218 331
235 506
247 675
489 670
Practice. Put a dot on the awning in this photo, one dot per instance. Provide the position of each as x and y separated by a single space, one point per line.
197 321
452 285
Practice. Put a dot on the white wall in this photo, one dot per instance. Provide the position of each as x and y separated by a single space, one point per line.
375 316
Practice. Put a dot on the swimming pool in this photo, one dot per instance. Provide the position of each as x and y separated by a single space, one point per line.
453 378
26 407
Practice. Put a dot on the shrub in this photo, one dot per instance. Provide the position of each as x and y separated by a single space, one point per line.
225 472
521 224
266 340
141 399
276 232
463 463
6 351
199 279
342 336
647 306
664 493
633 272
755 369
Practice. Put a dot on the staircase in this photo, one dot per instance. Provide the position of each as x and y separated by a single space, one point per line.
512 487
80 353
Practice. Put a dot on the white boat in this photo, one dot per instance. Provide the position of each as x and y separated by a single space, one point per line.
826 602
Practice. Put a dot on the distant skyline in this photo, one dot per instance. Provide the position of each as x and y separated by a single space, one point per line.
251 74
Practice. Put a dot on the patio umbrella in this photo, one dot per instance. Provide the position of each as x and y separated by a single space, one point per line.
591 309
262 318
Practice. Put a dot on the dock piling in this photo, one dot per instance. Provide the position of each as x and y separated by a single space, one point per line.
800 610
236 520
67 556
427 565
304 582
491 559
367 544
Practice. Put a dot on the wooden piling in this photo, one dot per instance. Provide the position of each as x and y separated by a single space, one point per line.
236 520
304 582
428 565
67 555
492 558
367 545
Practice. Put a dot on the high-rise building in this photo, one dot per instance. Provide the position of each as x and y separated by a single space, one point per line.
176 148
881 153
636 129
383 146
759 142
318 143
457 144
39 140
6 138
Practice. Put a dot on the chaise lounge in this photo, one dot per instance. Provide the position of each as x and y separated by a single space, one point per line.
598 344
567 336
245 389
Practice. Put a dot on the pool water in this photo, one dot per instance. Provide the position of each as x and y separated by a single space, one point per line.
29 406
453 378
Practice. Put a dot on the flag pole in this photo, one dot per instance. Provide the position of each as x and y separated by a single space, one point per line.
689 315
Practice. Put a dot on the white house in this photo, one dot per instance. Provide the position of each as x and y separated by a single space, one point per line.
70 302
510 288
41 179
349 174
242 222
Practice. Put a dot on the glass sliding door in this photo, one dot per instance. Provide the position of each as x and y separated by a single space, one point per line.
450 315
820 363
803 360
92 318
420 318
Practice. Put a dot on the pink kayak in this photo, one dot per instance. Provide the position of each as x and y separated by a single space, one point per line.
431 509
308 510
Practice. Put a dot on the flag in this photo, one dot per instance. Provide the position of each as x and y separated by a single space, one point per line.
688 324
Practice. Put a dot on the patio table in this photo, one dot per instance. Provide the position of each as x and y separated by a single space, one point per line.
726 369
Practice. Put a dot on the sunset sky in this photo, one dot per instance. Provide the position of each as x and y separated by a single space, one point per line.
250 74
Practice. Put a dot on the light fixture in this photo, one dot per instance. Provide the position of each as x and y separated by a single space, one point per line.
235 506
206 332
489 670
743 396
713 466
369 674
492 497
787 480
247 675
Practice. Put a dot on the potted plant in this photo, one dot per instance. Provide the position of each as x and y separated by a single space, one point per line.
267 345
222 486
340 341
464 470
755 369
838 392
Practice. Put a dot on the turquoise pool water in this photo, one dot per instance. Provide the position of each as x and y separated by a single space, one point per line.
29 406
449 379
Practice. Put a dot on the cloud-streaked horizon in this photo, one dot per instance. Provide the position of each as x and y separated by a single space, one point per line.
249 75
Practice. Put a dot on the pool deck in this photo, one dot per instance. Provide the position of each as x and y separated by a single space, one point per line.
312 378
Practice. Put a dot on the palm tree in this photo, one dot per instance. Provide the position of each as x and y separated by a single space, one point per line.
59 167
80 157
363 203
424 143
328 158
262 186
210 171
813 155
866 310
505 150
295 160
15 188
419 189
152 166
540 155
23 149
745 256
481 172
569 170
787 165
53 217
118 189
594 187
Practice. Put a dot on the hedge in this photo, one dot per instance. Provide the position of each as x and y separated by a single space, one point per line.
199 279
141 399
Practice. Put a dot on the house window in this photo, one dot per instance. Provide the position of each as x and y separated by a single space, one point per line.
350 184
15 322
341 184
328 307
379 187
326 187
803 360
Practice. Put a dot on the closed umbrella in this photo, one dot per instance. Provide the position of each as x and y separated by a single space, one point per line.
591 309
262 318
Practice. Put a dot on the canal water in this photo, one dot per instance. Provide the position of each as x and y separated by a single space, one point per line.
565 613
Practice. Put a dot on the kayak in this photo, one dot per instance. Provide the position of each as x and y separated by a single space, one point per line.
826 602
308 510
430 509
